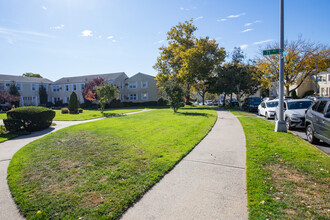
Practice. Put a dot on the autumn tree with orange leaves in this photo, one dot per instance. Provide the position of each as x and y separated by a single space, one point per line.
301 59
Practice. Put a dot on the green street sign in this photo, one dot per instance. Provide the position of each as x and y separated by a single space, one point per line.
270 52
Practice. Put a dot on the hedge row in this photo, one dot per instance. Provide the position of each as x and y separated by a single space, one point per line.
32 118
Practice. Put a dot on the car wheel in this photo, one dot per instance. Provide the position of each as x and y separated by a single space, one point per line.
288 124
266 115
310 135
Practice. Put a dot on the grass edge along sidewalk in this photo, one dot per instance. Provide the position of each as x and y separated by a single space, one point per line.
287 178
98 169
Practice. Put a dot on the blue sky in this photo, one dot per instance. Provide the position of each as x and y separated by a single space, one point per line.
60 38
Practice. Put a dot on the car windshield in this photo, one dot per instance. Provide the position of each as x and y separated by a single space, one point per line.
299 104
255 100
271 104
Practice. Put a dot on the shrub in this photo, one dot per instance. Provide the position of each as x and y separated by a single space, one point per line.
64 110
294 94
12 125
80 110
308 93
73 103
162 102
33 118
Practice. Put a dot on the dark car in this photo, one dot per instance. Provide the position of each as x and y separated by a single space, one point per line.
233 103
318 121
251 104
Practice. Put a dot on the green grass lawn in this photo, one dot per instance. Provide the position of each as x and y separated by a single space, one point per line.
3 115
97 170
238 112
287 178
5 137
91 114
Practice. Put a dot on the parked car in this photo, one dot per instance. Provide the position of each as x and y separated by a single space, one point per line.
234 102
314 98
209 102
294 112
267 109
318 121
251 104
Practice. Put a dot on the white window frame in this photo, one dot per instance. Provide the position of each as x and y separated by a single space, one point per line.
144 98
132 85
20 86
74 87
133 97
67 87
146 86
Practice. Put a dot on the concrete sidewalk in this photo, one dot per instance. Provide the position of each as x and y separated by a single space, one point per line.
8 208
209 183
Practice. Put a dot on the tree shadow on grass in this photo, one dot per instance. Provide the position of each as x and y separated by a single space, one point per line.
193 114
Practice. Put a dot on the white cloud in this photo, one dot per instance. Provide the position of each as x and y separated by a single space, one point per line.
59 27
100 36
247 24
86 33
114 41
109 37
159 32
222 19
159 42
44 8
187 9
257 21
243 46
263 41
247 30
236 16
17 32
198 18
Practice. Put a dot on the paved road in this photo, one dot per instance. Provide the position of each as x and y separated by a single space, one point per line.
301 132
8 208
209 183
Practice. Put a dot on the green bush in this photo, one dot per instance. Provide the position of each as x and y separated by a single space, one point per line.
80 110
308 93
64 110
13 125
33 118
294 94
73 103
161 102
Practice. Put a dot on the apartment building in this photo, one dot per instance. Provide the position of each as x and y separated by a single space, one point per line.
139 88
28 87
324 83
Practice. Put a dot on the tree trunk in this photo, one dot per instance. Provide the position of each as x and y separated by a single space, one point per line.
231 99
287 90
224 100
203 97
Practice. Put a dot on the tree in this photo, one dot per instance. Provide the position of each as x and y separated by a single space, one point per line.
174 92
301 60
73 103
89 92
7 97
43 95
105 93
15 95
201 62
180 39
28 74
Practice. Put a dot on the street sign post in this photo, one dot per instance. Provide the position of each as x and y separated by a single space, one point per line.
271 52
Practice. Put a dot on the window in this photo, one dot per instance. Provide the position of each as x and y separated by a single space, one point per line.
144 96
328 77
33 87
18 87
133 97
67 99
66 87
321 106
74 87
82 86
314 107
144 84
132 85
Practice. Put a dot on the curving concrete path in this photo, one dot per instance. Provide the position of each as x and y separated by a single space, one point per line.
209 183
8 208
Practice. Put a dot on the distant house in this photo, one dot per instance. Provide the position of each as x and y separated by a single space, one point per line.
139 88
324 83
28 87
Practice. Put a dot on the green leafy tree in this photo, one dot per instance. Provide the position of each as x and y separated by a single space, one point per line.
300 61
174 92
28 74
43 95
15 95
105 93
169 63
73 102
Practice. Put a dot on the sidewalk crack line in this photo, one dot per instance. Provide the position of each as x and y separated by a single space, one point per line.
218 164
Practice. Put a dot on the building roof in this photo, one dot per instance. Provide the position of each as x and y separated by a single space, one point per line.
143 74
88 78
23 79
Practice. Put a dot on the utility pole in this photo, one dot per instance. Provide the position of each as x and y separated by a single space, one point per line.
280 123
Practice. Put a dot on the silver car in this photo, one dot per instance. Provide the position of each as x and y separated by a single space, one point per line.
318 121
294 112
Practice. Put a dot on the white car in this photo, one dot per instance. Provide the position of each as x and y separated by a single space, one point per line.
267 108
294 112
